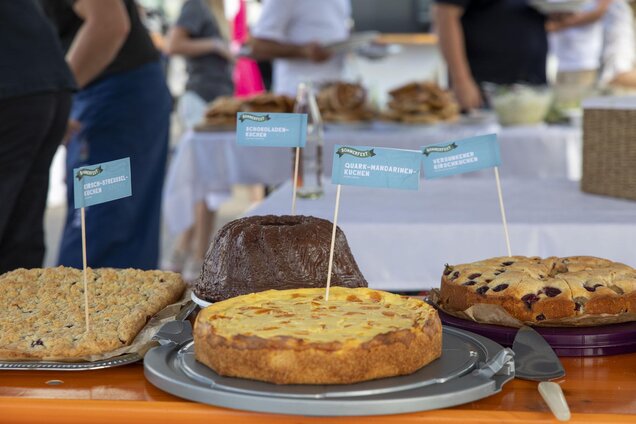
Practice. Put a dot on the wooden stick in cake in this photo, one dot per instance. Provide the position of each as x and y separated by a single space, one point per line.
466 155
265 129
295 190
95 184
503 210
333 242
83 216
369 166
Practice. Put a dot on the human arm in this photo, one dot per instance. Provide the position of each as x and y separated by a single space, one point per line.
270 36
262 49
104 31
579 19
451 42
180 42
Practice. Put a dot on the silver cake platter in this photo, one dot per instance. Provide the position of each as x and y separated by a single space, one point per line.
471 367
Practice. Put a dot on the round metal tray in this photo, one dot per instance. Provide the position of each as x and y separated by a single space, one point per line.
471 367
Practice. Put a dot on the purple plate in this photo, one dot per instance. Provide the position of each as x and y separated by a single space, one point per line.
611 339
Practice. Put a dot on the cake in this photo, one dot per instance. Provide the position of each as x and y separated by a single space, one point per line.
296 337
43 314
533 289
274 252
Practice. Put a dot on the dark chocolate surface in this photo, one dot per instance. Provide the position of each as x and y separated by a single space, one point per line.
275 252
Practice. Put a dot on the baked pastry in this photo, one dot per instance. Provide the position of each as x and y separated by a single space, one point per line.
533 289
420 103
221 113
268 102
296 337
343 102
43 313
274 252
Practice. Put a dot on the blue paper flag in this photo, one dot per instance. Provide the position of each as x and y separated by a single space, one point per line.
458 157
376 167
102 182
271 129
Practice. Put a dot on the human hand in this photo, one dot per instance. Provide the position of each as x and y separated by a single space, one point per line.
315 52
72 128
467 94
221 48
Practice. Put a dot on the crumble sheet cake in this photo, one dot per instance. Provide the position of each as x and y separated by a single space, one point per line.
43 314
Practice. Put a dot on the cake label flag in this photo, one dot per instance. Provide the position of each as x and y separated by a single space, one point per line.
376 167
102 182
458 157
271 129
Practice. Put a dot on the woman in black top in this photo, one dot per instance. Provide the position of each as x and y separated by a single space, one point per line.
499 41
123 108
201 35
35 98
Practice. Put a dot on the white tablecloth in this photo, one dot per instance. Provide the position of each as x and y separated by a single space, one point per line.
206 165
402 239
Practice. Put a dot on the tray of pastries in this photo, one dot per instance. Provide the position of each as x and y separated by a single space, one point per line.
344 103
420 103
221 113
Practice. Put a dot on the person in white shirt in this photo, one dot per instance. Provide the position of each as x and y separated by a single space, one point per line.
619 52
596 47
294 34
577 42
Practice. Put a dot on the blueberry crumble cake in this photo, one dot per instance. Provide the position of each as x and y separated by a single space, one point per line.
533 289
42 317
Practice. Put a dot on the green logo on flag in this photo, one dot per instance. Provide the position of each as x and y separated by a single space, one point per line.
88 172
439 149
254 118
355 152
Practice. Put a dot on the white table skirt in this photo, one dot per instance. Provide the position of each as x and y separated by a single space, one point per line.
206 165
401 239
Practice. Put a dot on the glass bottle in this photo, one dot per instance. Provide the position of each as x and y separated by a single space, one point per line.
310 163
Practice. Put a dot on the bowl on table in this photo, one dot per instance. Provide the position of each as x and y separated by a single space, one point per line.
519 104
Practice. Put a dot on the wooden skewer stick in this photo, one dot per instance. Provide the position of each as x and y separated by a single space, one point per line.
333 242
85 271
295 190
503 211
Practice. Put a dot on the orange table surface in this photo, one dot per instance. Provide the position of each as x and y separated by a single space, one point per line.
598 390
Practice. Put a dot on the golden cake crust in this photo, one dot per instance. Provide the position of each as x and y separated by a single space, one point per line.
44 314
358 335
533 289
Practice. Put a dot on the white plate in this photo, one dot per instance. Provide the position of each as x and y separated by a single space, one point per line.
202 303
354 41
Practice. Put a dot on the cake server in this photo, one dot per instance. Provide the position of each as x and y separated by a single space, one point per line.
535 360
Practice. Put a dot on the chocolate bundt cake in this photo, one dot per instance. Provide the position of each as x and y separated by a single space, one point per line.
275 252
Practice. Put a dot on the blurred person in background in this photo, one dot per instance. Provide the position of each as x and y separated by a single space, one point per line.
35 99
576 40
294 33
123 109
498 41
201 35
619 47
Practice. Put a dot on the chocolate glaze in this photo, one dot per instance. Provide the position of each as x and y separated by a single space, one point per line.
274 252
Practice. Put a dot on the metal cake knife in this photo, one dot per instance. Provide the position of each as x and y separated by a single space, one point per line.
535 360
